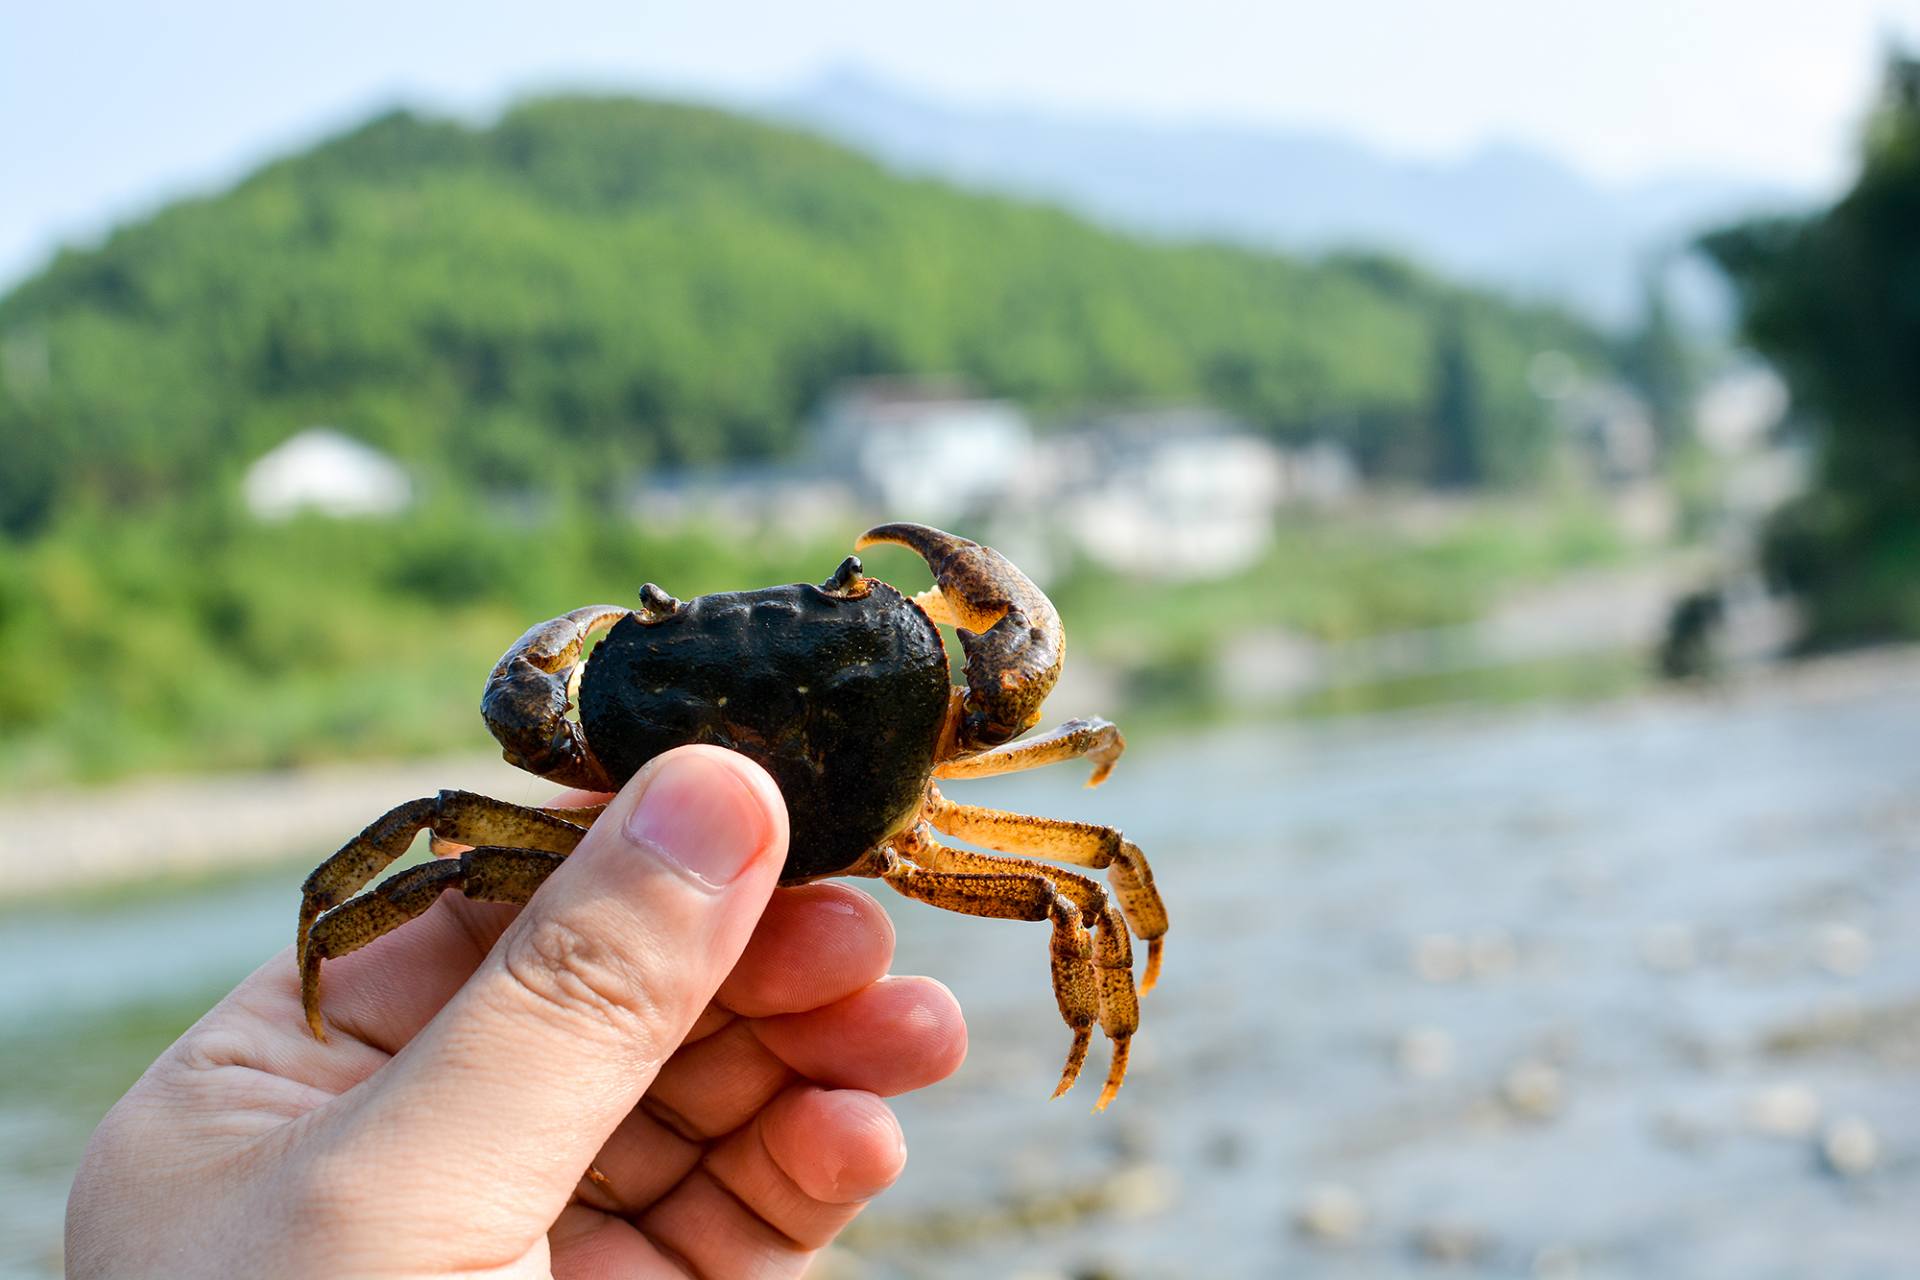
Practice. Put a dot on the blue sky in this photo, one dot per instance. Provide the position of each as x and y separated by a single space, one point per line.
109 109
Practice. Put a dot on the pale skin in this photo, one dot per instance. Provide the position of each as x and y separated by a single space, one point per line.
659 1067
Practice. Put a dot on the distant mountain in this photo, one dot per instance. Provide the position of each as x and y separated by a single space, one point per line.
1506 216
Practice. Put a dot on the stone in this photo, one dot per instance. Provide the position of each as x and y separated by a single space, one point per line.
1141 1190
1439 957
1533 1090
1842 950
1331 1214
1425 1053
1783 1111
1850 1147
1451 1243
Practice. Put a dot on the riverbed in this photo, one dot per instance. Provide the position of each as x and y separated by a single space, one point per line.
1617 990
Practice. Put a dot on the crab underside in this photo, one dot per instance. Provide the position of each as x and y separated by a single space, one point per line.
841 691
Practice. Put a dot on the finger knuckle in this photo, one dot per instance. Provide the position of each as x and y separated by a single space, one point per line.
564 967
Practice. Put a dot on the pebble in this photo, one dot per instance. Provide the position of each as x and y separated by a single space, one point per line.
1842 950
1669 948
1533 1090
1452 1243
1783 1111
1141 1191
1850 1147
1425 1053
1446 957
1331 1214
1439 957
1841 1022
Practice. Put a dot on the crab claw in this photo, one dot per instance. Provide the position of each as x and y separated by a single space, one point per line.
527 695
1007 627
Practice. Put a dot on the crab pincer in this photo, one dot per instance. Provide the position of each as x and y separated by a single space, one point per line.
1008 629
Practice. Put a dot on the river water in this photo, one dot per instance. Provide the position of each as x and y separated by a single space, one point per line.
1626 990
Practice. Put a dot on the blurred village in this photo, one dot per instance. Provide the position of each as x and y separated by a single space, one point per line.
1188 493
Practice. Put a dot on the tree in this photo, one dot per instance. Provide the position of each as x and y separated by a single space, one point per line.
1459 458
1834 300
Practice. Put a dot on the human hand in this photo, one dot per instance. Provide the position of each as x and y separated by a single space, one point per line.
715 1049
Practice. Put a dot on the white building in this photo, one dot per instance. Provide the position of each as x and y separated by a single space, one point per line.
793 501
321 470
923 450
1181 493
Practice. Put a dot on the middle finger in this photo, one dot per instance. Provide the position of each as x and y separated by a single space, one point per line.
891 1037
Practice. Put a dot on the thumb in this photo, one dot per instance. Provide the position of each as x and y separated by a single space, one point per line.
526 1072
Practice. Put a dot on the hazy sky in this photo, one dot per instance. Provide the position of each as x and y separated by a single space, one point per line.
108 109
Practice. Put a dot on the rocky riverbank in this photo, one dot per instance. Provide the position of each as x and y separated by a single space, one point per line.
1615 990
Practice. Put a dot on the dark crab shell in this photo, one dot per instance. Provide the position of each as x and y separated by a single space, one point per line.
841 697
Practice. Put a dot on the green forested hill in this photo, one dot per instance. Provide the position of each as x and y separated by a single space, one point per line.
591 285
583 289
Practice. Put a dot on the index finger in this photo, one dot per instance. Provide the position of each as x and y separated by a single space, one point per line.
814 945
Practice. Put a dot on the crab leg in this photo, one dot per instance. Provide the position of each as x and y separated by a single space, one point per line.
527 695
1112 953
1096 739
489 873
1016 895
1007 628
452 816
1084 844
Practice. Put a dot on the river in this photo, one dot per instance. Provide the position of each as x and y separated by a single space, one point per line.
1616 990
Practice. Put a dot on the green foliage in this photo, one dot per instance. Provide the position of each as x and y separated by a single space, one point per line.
1588 678
1182 677
590 286
1835 301
1457 430
179 639
184 639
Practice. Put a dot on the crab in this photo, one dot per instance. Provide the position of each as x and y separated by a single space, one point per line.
842 692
